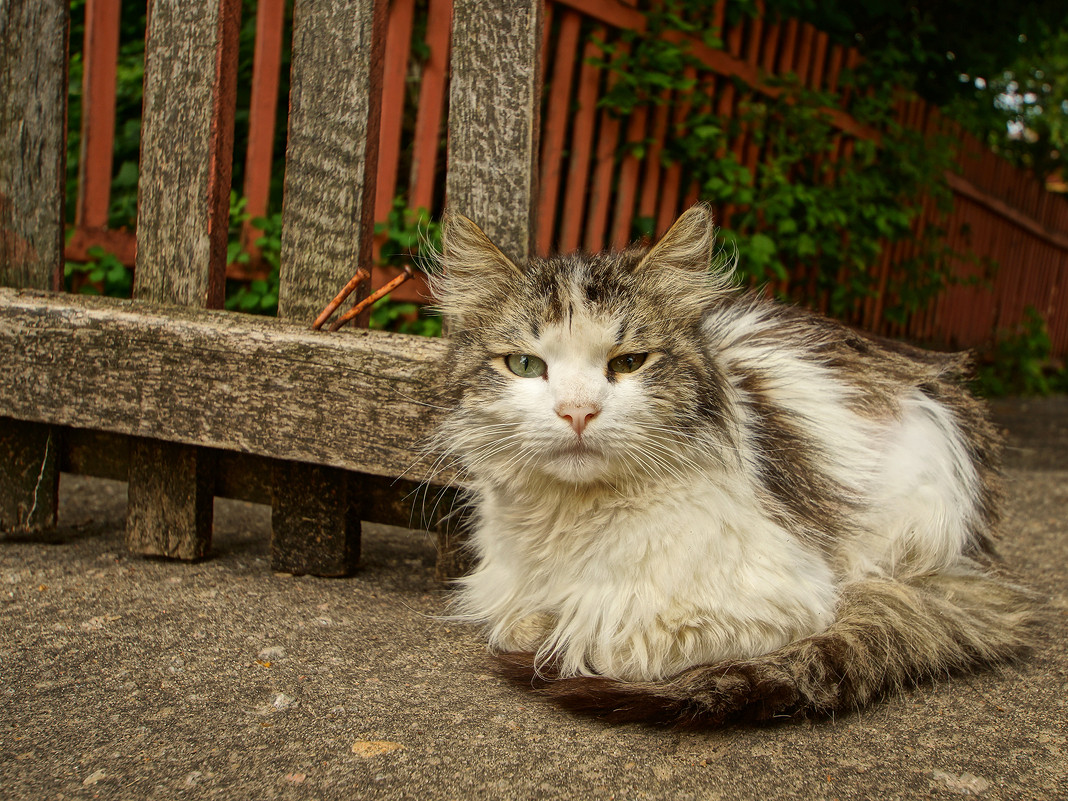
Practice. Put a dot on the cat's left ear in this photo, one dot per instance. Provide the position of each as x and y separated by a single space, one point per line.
688 246
475 270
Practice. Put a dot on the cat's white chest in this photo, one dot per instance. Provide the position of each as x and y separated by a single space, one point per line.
642 587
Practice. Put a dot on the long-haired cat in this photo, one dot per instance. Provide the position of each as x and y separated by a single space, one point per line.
692 504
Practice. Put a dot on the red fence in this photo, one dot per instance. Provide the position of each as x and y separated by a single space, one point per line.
592 186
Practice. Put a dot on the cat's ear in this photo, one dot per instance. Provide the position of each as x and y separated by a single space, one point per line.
475 270
689 245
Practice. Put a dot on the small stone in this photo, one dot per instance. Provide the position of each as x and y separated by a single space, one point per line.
272 653
372 748
283 701
965 784
93 778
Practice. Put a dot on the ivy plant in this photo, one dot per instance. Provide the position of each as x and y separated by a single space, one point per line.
810 214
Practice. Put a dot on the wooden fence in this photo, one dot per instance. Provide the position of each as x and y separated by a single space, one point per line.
590 185
187 401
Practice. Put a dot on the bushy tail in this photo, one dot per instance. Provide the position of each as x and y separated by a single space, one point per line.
889 634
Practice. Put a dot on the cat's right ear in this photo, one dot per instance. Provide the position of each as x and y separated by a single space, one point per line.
688 246
475 271
686 262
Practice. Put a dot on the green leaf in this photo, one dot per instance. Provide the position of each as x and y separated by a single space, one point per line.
761 248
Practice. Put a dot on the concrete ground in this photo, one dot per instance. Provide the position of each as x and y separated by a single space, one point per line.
122 677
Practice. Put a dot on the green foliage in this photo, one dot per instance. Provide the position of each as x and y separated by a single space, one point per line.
929 45
1003 72
259 296
1021 363
408 237
1021 111
405 318
809 209
104 274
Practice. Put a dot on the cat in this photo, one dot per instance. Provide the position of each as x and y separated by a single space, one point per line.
690 504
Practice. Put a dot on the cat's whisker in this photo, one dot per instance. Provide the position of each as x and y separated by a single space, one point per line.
423 403
667 452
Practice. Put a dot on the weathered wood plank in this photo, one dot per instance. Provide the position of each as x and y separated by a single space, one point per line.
494 102
169 511
183 216
33 94
332 156
28 491
186 152
366 401
315 520
494 122
327 229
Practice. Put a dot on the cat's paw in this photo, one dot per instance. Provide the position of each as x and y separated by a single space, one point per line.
528 633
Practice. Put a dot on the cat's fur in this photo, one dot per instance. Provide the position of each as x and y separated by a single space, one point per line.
772 514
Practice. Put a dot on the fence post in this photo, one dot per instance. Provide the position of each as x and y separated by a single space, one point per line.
33 96
183 216
494 101
327 230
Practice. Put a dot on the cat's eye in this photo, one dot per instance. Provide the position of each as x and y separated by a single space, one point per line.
524 365
627 363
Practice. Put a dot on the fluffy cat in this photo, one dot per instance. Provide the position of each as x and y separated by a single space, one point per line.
691 504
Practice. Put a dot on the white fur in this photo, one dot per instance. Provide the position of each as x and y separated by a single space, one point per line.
632 553
645 586
923 494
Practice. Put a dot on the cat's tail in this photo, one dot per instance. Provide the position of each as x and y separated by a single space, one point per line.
888 634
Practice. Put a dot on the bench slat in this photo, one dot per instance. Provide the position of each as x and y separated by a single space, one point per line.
186 152
332 152
33 89
182 221
365 401
494 101
327 228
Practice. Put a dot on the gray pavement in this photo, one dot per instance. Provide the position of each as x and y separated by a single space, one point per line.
122 677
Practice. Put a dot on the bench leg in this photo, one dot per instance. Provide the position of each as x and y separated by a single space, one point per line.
315 520
169 512
450 530
29 478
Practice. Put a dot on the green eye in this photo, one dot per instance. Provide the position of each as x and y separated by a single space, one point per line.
524 365
627 363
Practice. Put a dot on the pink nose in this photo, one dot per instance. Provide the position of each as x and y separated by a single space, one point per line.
578 417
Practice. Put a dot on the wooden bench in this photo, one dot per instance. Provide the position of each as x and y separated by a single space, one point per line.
186 401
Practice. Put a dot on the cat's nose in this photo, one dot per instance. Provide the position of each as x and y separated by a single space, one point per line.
578 417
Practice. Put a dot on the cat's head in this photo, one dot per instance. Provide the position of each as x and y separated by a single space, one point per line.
585 367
